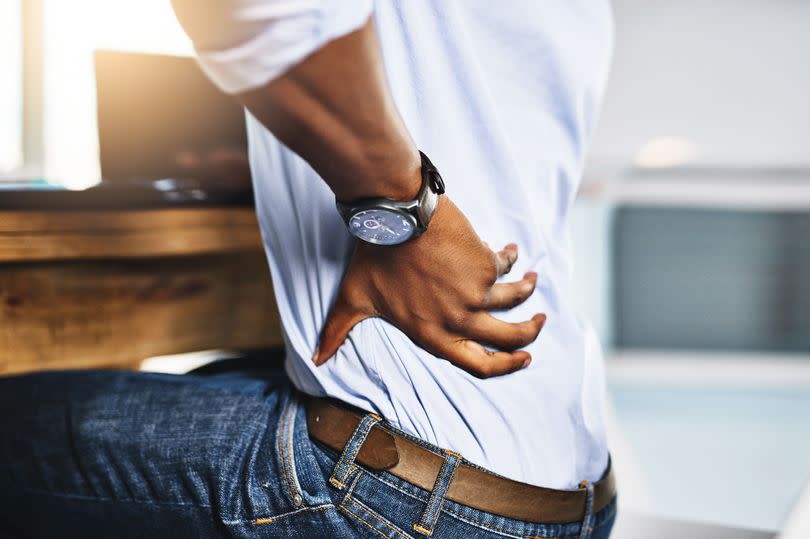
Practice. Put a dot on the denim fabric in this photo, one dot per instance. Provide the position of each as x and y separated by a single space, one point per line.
436 501
115 454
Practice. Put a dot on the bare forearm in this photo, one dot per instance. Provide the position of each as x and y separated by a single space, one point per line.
335 110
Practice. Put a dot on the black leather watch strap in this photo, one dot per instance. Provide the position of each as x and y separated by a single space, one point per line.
428 197
430 175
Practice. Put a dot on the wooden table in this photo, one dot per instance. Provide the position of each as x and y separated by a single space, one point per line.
108 289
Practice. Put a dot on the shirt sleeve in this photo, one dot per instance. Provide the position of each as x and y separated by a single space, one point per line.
255 41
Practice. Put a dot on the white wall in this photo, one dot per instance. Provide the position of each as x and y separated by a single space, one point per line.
731 75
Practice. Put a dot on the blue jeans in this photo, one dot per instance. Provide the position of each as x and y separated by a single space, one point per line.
119 454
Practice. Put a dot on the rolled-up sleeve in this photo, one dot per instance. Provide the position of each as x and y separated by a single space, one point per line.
244 44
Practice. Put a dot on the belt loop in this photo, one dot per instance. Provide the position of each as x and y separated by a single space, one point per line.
586 529
440 488
345 465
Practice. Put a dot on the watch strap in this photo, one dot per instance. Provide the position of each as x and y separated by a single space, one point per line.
428 197
425 203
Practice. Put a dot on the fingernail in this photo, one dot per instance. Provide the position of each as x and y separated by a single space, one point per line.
530 275
315 354
526 363
540 317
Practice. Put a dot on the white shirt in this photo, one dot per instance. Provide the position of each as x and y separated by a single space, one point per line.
502 96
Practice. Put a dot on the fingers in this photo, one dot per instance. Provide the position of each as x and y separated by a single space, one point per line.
484 327
477 360
506 258
342 318
508 295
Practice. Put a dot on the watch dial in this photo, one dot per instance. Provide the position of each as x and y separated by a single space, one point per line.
381 226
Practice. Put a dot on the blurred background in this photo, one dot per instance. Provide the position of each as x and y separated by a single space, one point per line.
53 131
691 231
692 235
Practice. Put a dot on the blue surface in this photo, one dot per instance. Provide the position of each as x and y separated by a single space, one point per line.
739 457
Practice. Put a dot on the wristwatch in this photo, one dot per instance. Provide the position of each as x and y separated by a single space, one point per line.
384 221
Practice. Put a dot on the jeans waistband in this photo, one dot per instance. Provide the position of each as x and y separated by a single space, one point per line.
370 441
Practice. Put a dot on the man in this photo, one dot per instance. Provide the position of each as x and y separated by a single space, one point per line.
449 416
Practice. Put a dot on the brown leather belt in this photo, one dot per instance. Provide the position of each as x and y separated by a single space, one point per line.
333 426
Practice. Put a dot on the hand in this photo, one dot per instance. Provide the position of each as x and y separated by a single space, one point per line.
438 290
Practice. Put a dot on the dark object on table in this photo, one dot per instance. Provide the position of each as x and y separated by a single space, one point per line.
167 138
133 195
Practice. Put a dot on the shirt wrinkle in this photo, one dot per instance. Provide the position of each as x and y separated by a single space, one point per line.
503 103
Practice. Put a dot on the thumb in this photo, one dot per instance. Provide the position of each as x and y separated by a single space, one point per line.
340 321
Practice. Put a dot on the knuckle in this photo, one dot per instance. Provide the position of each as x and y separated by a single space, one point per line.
478 297
458 318
493 269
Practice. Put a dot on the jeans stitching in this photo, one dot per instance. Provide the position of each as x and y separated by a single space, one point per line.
468 519
451 512
293 473
349 453
385 426
272 518
281 449
472 522
349 498
393 529
432 500
345 464
420 497
444 494
586 527
348 511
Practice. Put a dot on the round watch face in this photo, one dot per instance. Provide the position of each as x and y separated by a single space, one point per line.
381 226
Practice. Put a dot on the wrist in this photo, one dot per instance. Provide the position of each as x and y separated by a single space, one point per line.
397 177
383 220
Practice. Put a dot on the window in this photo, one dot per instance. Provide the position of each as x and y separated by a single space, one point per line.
11 88
71 31
712 279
